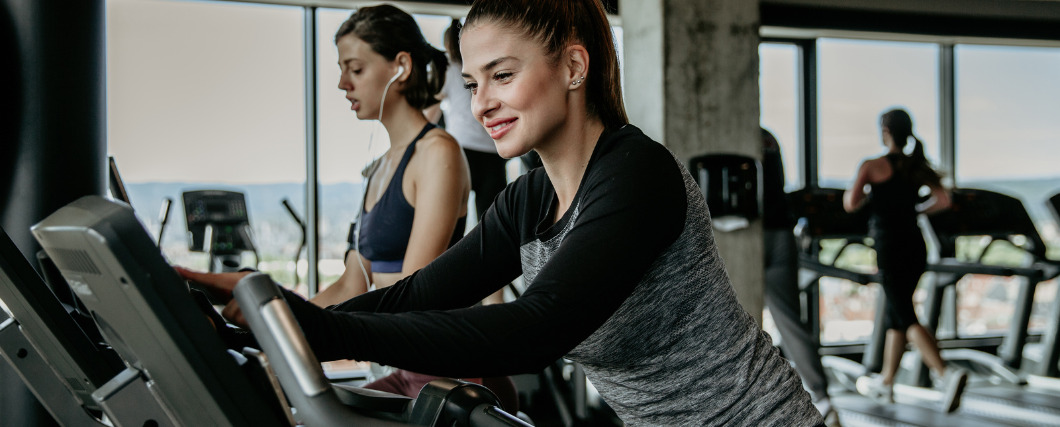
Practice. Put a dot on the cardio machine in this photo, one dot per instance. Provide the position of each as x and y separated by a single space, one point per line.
218 225
76 377
145 311
998 219
821 217
1048 371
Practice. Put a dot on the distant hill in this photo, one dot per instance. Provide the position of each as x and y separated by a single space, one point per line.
277 235
275 232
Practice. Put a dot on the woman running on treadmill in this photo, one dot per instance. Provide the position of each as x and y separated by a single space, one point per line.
894 181
612 235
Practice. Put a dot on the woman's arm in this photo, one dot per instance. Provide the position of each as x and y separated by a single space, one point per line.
441 183
591 273
352 282
939 201
855 196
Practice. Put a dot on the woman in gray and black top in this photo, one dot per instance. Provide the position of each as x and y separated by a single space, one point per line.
612 236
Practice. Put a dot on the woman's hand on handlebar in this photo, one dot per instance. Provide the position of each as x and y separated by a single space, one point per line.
234 314
219 285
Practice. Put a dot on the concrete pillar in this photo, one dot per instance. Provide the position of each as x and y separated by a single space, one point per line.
691 77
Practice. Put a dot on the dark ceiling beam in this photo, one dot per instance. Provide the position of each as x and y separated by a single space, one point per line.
1018 19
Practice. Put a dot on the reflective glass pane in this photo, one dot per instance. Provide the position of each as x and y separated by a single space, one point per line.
1007 104
209 95
858 81
778 82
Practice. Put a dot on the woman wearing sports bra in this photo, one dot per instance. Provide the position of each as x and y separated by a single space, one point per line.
895 180
385 231
417 193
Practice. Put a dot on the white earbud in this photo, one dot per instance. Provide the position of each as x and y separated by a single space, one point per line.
401 69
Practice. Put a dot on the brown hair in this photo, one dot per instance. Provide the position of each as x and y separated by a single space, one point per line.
389 31
452 41
557 24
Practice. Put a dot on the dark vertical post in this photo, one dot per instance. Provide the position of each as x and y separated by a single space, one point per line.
947 112
807 94
312 187
53 142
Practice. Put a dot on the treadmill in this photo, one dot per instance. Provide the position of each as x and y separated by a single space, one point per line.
996 389
1047 371
822 217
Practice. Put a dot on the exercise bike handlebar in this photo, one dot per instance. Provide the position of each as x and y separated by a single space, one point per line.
290 210
443 401
163 219
300 374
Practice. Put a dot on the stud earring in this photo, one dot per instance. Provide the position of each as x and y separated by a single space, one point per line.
579 81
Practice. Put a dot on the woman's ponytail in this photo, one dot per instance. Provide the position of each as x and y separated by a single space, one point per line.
921 166
918 151
915 165
438 63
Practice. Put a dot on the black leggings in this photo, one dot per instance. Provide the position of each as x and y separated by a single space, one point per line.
902 260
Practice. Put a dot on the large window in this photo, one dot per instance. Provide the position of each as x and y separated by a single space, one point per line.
859 80
1007 103
209 95
778 82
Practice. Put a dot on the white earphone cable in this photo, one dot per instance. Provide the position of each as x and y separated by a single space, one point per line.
364 196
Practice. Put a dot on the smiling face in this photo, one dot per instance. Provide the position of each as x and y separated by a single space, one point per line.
518 93
364 74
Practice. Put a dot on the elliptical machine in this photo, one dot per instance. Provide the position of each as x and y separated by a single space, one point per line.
218 225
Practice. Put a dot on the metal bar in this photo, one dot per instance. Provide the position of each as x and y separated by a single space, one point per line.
312 186
807 94
40 378
947 112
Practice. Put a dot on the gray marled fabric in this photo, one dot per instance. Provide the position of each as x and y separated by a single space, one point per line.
681 350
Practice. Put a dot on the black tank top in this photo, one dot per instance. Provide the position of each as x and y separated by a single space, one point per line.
386 229
892 203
